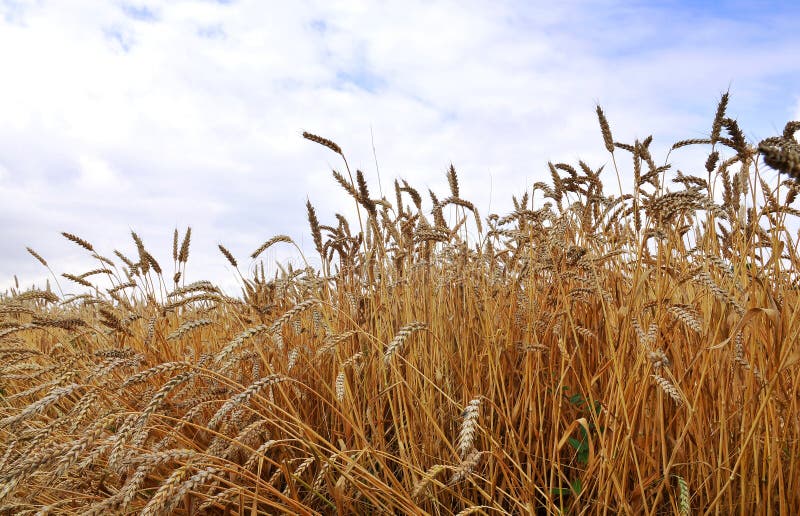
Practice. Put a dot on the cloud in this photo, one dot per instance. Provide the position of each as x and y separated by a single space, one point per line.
150 115
96 174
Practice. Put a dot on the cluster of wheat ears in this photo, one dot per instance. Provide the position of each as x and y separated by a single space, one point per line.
634 353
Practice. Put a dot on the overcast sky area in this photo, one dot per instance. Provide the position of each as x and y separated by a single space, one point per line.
146 116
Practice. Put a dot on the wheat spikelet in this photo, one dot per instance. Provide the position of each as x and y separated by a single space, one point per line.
38 407
244 397
183 254
688 315
103 370
363 190
215 298
249 435
160 396
638 329
705 279
188 326
273 480
259 454
606 130
315 230
78 280
37 256
175 245
415 196
299 471
144 464
31 462
320 477
690 141
35 389
684 505
196 480
652 334
31 295
266 245
93 272
163 496
121 286
464 204
427 478
111 320
220 498
469 426
86 441
400 338
277 339
452 180
227 255
322 141
151 261
738 349
82 409
81 242
292 358
144 263
151 330
16 309
668 388
127 261
716 127
658 358
473 509
625 146
344 183
466 467
296 309
782 154
197 286
711 162
737 141
790 128
339 384
87 299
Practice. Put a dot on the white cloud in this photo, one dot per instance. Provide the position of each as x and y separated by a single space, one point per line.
96 174
151 115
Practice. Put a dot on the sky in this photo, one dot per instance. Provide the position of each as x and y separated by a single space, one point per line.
147 116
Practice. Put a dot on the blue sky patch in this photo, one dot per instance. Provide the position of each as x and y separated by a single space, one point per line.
139 13
121 39
318 26
212 32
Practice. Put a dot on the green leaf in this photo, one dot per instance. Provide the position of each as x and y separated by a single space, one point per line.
561 491
577 486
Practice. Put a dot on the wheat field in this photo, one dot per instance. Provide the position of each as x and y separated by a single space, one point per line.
590 352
